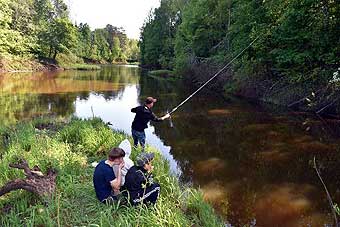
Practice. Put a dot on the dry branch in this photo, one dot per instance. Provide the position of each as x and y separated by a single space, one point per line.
35 182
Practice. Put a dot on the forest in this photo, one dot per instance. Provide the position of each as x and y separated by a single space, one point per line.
296 48
42 29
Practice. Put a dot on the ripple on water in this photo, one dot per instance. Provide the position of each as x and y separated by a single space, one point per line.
220 112
209 167
286 204
257 128
314 147
216 194
274 156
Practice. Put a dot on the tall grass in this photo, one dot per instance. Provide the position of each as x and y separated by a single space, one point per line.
70 150
12 63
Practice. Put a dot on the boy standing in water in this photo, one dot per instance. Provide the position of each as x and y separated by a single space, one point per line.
143 116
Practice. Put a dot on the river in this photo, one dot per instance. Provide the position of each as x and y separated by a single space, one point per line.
252 162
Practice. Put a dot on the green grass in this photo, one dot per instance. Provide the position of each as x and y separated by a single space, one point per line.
70 148
12 63
82 67
134 63
70 61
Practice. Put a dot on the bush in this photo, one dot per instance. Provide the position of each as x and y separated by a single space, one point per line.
68 59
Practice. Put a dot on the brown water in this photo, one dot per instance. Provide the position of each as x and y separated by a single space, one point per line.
253 163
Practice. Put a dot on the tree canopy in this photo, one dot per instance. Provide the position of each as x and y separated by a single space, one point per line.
42 28
296 38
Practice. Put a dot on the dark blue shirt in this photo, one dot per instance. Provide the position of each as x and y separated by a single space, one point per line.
102 176
143 116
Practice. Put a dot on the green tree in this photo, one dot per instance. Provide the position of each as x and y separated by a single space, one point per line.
295 38
101 45
84 41
60 9
203 32
306 38
61 36
43 11
158 33
116 50
6 34
17 32
132 51
43 28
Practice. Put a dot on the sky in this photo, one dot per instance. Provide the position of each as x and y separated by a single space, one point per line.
129 14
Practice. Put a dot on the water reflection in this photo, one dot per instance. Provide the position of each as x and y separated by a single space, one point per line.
252 164
27 95
117 111
109 94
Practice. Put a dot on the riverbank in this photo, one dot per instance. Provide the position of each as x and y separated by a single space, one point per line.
70 147
31 64
308 94
163 74
21 64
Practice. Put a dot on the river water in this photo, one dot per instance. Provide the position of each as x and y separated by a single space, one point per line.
253 163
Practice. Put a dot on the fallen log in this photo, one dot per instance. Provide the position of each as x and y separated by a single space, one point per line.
35 182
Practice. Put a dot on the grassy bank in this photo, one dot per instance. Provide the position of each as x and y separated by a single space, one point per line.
72 62
82 67
163 74
10 63
318 96
70 147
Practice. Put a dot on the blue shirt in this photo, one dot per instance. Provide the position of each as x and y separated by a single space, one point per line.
102 176
143 116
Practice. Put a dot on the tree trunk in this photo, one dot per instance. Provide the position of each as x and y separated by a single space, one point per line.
55 54
35 182
50 52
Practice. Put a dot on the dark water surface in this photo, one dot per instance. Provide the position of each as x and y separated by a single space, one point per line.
253 163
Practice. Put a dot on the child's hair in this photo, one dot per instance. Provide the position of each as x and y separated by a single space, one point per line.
116 153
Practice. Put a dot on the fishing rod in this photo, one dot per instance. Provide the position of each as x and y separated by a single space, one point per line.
215 75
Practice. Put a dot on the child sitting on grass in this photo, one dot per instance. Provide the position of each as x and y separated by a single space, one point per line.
139 182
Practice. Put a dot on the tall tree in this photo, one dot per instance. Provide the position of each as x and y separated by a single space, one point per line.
60 9
115 51
132 51
43 28
101 44
62 36
157 35
85 41
17 29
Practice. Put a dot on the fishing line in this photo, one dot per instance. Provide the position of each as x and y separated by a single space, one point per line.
215 75
331 204
170 120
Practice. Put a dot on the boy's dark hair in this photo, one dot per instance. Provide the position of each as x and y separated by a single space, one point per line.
150 100
116 153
